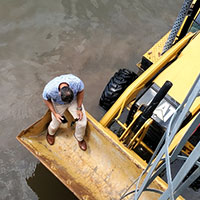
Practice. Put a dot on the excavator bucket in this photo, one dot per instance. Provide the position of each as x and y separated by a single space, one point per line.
104 171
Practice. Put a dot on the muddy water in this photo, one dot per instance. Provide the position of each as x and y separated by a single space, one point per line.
41 39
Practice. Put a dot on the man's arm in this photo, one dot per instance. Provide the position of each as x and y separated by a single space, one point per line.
80 96
51 108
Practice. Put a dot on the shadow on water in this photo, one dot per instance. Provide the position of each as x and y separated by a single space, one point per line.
47 186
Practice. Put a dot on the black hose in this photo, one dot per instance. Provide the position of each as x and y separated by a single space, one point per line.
148 111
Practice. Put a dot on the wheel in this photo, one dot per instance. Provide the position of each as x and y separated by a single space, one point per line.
115 87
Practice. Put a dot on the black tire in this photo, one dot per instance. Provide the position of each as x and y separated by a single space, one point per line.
115 87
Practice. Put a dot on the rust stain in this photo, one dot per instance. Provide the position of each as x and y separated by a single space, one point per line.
67 179
61 174
102 172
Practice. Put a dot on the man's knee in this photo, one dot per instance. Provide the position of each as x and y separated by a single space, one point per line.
81 123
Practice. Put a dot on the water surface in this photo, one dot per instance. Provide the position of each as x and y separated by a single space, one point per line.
41 39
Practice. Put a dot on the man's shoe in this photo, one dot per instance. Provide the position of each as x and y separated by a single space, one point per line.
82 144
50 138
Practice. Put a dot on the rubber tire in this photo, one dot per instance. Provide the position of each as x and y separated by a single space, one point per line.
115 87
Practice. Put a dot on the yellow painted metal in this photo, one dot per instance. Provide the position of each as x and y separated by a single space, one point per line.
121 124
121 109
143 133
144 128
103 172
132 90
145 146
125 102
183 72
188 148
179 32
127 130
179 136
108 168
196 109
154 54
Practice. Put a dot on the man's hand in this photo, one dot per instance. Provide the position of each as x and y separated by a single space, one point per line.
79 104
58 117
80 114
51 107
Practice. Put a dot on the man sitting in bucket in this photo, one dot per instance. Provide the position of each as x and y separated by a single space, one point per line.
61 93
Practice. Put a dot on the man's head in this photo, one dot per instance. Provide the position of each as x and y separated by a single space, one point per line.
66 94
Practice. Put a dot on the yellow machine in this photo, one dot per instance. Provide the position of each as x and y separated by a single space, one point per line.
138 112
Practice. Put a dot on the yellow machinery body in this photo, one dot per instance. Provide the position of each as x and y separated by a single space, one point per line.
109 167
104 171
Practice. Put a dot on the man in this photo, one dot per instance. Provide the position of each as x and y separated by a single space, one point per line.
61 93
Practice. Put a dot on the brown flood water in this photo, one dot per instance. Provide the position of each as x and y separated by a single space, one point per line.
41 39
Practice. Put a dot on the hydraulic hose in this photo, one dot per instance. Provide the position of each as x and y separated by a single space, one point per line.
177 24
